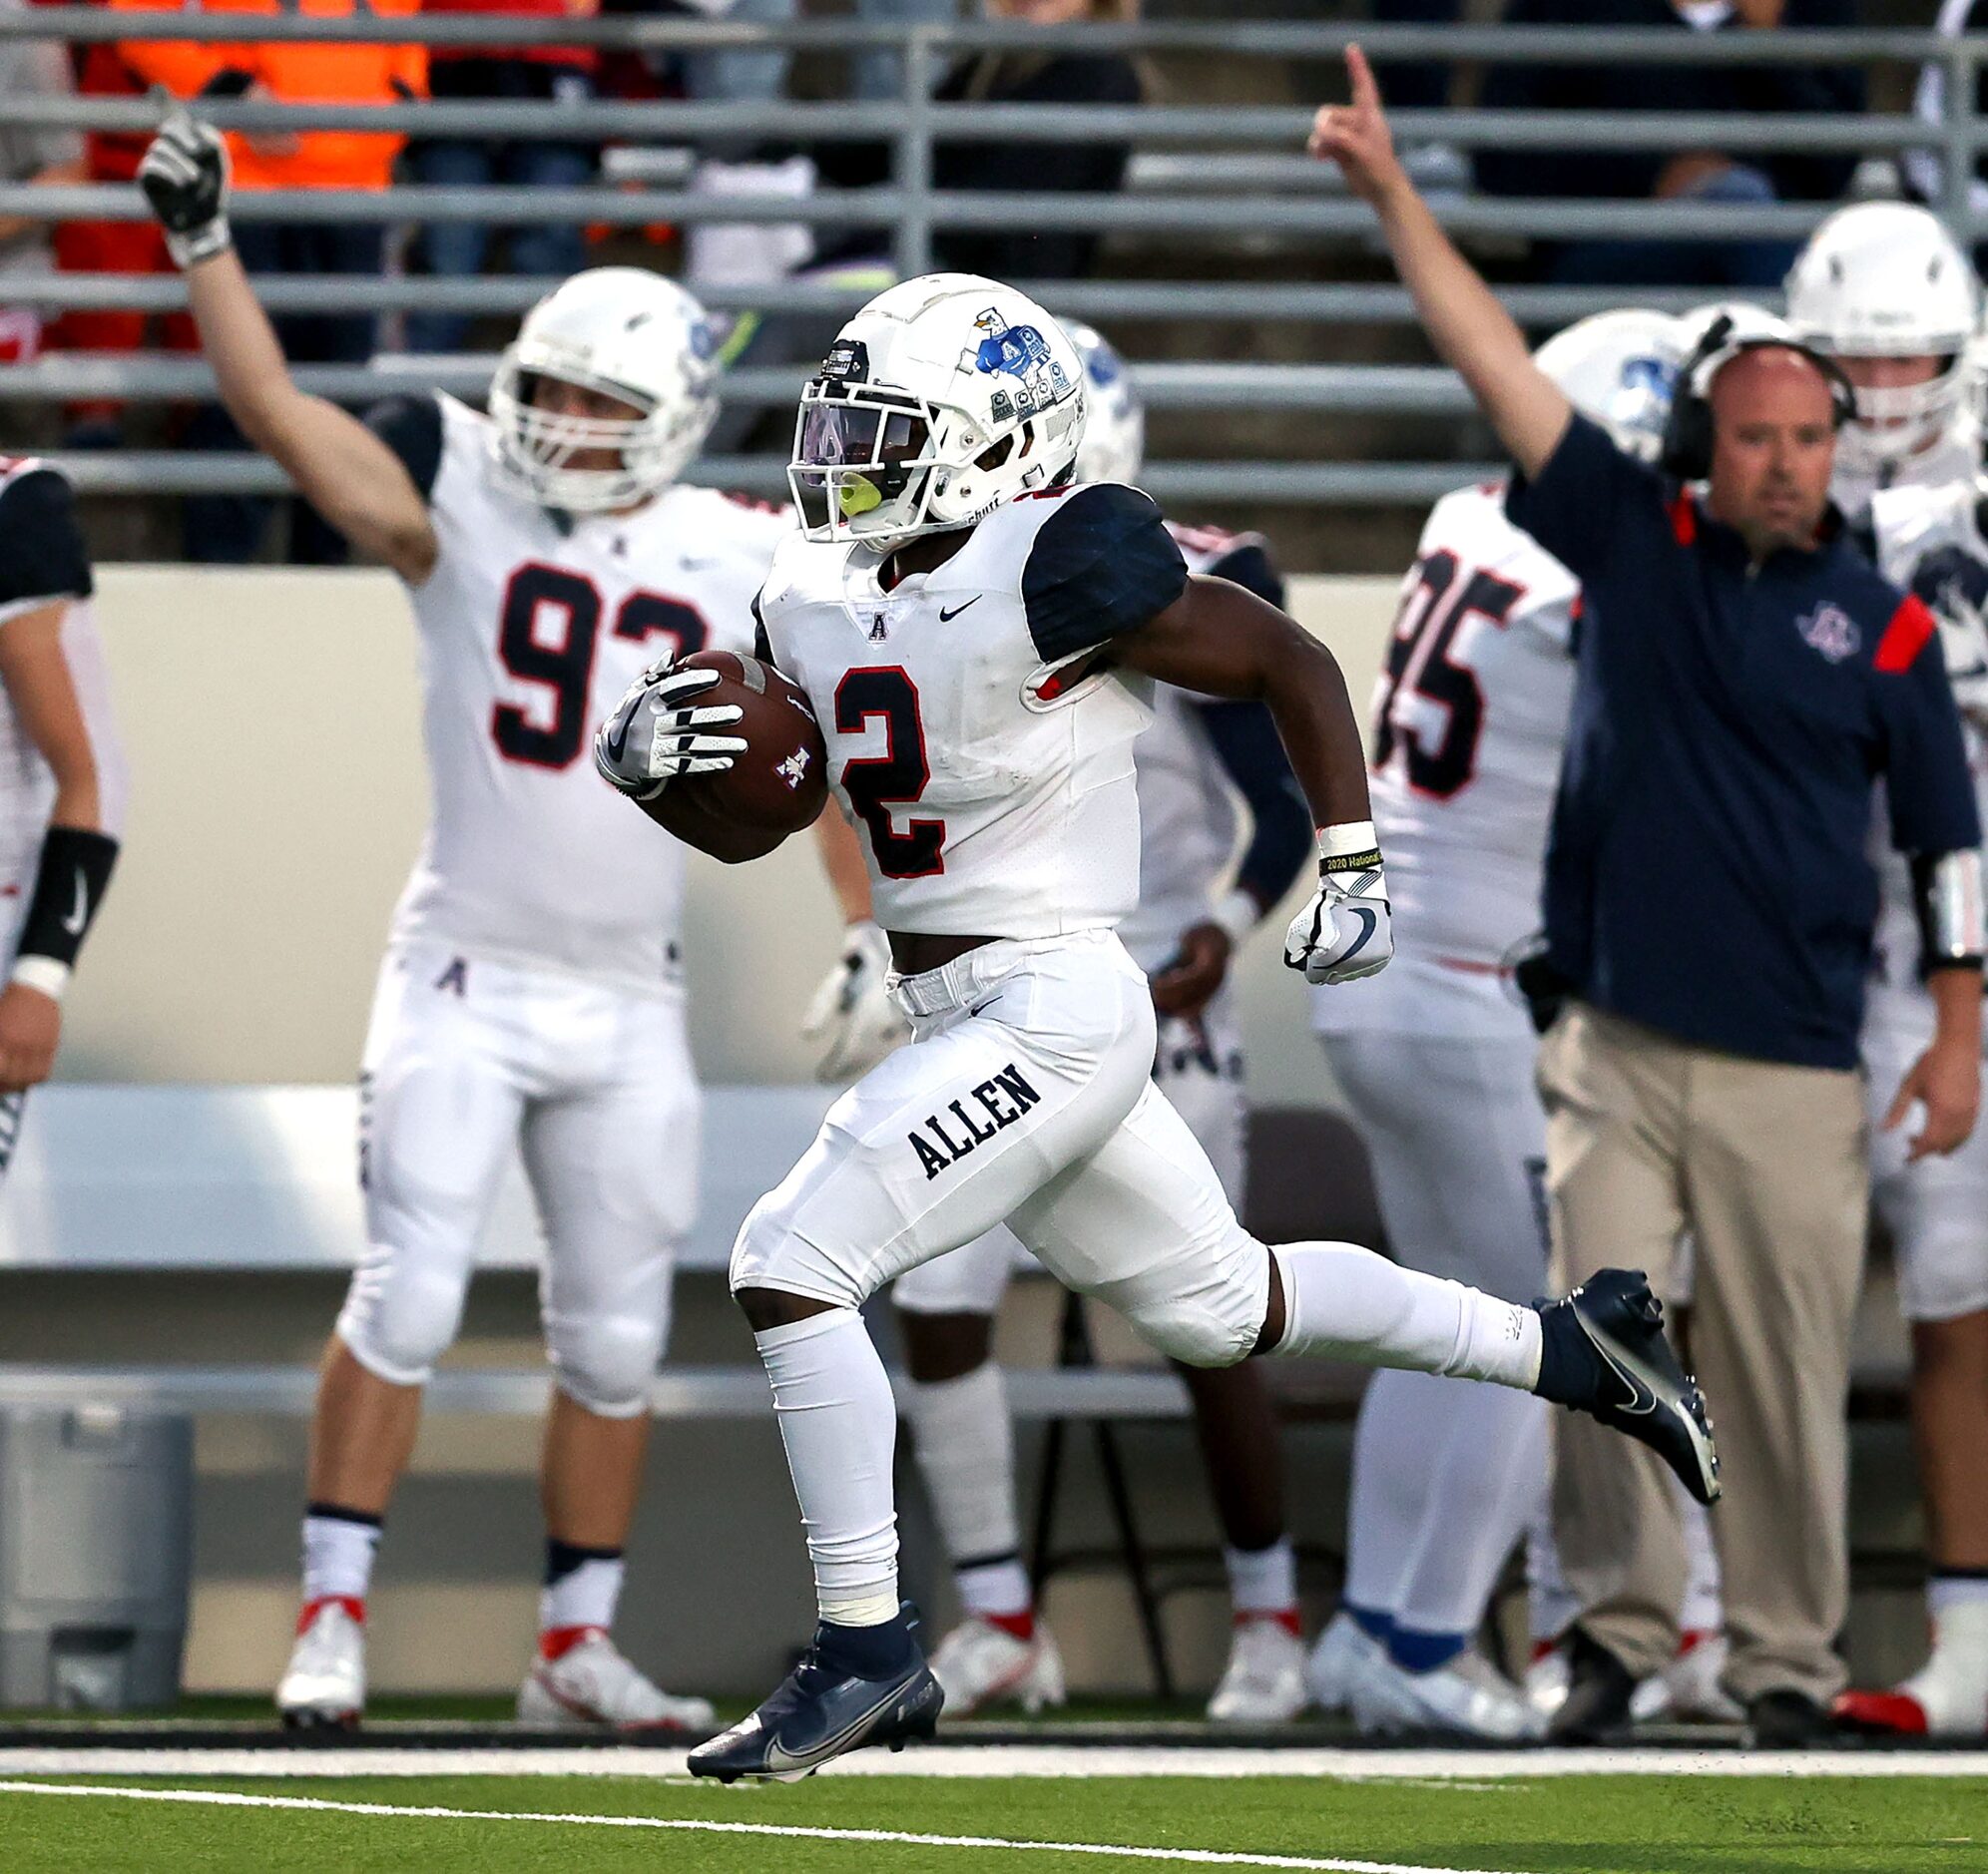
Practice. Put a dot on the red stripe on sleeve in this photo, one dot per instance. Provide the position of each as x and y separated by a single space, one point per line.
1910 631
1683 520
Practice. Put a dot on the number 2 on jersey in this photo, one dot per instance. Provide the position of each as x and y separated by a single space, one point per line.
562 663
1426 665
897 777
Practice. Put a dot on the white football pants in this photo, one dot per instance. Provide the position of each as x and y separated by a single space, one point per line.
1198 1065
1936 1210
467 1060
1445 1482
1026 1094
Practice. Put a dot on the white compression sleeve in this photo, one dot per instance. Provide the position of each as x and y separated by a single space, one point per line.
839 1425
965 1447
1344 1302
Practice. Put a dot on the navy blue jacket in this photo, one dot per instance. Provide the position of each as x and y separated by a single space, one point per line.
1707 872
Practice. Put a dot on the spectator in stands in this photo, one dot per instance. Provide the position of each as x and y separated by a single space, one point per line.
549 248
1706 176
30 69
227 527
1016 76
875 72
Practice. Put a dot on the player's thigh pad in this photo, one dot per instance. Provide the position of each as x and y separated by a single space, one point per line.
1457 1140
1044 1049
1142 1225
613 1167
968 1281
440 1100
1198 1065
1935 1211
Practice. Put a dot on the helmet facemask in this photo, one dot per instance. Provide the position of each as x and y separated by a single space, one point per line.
536 447
1899 421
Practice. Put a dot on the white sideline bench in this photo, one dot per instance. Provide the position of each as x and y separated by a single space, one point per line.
265 1177
258 1179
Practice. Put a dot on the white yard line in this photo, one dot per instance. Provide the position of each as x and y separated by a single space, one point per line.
1176 1857
984 1760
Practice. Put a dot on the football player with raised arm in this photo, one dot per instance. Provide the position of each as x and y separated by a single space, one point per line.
532 994
1198 763
63 781
979 634
1885 290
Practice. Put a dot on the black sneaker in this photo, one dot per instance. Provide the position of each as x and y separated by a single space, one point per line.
1786 1719
825 1708
1595 1709
1602 1351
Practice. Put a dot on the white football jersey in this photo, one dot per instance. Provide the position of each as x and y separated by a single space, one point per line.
1929 541
42 560
989 774
1470 718
1187 801
532 626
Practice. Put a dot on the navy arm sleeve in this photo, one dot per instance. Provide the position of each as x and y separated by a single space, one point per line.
1102 564
1252 567
413 428
42 555
1928 786
1579 501
1246 743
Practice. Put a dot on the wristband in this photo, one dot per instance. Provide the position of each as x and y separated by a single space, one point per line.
69 886
1237 916
42 973
1949 893
210 239
1351 846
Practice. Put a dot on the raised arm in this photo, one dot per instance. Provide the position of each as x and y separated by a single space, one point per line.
1470 330
1221 641
347 472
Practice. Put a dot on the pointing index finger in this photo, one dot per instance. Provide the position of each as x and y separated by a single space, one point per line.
1359 74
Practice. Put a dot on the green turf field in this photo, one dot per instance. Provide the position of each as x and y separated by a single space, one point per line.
1593 1825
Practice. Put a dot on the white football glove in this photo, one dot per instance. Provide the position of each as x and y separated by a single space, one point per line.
185 178
656 732
852 1017
1347 930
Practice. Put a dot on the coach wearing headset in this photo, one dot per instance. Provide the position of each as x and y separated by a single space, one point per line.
1744 679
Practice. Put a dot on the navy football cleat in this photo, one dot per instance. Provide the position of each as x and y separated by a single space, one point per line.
825 1708
1602 1351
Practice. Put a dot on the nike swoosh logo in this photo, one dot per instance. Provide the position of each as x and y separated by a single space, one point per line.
1370 923
946 618
617 735
1631 1371
75 922
778 1756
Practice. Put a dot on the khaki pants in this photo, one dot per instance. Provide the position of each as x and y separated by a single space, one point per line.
1766 1166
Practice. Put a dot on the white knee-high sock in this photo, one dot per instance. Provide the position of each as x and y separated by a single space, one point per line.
1347 1303
839 1425
965 1446
1704 1610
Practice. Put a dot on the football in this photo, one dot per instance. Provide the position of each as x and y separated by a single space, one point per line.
780 784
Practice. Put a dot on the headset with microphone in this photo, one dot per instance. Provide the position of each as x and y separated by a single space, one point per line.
1688 433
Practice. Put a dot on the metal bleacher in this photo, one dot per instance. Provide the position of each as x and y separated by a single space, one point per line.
1224 231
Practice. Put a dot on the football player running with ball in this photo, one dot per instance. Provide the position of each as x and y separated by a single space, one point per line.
531 996
979 634
1198 762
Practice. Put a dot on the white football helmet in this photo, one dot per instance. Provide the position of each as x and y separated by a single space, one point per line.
942 398
1883 279
1113 444
626 333
1620 370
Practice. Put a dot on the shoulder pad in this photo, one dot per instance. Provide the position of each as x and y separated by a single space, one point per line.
42 555
413 428
1102 563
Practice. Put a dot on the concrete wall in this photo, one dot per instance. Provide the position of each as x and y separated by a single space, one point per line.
278 800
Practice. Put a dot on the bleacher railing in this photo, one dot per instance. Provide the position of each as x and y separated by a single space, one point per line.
1225 173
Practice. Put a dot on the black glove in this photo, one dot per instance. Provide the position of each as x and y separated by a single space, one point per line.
1544 990
185 178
